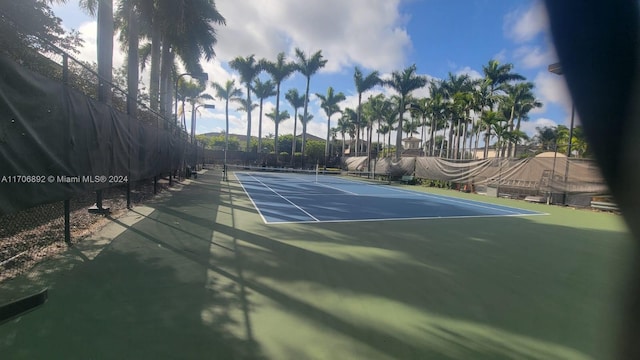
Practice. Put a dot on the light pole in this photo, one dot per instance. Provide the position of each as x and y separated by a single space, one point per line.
193 124
193 132
202 76
556 68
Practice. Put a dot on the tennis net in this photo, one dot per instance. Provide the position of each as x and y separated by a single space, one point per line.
316 175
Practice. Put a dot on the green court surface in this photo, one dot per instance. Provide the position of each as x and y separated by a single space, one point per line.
197 274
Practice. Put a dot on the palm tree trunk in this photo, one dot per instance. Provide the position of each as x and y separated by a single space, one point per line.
450 143
275 143
464 140
432 137
477 142
399 132
166 84
193 122
444 136
132 63
487 139
378 144
260 128
326 145
510 127
105 50
515 148
248 148
293 143
370 136
154 75
226 131
304 116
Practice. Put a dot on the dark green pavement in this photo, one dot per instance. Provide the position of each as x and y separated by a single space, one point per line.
197 275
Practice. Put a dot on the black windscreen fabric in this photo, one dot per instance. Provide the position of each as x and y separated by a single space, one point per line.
54 139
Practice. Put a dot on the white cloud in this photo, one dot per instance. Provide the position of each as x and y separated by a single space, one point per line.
529 127
551 88
524 25
473 74
88 52
532 57
501 57
370 33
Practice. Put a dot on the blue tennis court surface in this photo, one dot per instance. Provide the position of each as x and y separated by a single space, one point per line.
308 198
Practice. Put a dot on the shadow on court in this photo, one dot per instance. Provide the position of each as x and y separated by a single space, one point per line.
146 295
203 277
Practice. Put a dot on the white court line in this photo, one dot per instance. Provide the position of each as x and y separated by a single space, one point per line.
399 219
251 199
285 199
464 202
335 188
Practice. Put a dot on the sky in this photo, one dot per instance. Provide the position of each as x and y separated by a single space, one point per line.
438 36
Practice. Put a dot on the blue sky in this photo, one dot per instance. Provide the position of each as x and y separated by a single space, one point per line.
438 36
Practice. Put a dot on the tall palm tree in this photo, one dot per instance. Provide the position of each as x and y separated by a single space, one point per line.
187 34
457 89
483 101
103 9
308 66
523 100
496 75
404 83
296 101
363 83
192 92
263 90
375 109
227 92
344 126
390 119
248 68
329 103
127 20
277 119
304 120
279 71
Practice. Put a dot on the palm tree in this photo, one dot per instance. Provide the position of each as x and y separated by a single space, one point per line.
483 101
279 71
227 92
277 119
329 103
363 83
263 90
308 67
248 68
187 33
457 89
192 92
496 75
546 138
527 103
296 101
404 83
127 19
344 126
105 30
304 120
375 109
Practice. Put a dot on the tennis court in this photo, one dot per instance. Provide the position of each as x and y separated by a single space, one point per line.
198 274
299 197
